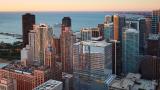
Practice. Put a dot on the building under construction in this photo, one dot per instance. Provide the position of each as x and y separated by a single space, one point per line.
92 65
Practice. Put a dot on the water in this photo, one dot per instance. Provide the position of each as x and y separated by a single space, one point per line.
11 22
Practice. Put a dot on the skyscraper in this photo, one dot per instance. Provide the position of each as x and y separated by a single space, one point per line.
108 19
119 23
153 45
122 24
86 34
155 21
66 22
101 30
116 57
92 64
39 40
140 25
28 20
150 67
66 41
116 27
148 25
108 32
130 50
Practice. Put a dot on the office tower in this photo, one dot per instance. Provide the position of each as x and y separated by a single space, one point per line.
92 64
96 33
86 34
66 22
116 57
155 21
159 27
148 25
153 45
57 48
28 20
50 85
101 30
57 30
122 24
140 25
67 81
108 19
130 50
39 40
116 27
108 32
119 23
142 37
92 34
66 41
27 77
150 67
7 84
34 44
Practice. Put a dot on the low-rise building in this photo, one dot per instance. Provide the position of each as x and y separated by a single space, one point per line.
50 85
132 82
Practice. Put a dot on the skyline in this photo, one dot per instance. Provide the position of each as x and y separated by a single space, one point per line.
83 5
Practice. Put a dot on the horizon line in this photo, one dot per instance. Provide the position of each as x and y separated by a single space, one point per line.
87 11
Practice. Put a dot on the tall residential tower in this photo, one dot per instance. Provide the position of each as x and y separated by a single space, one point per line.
28 20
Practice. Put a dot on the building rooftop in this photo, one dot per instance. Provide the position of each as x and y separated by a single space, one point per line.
49 85
123 84
144 84
66 75
89 29
19 68
133 82
133 76
131 30
94 43
154 37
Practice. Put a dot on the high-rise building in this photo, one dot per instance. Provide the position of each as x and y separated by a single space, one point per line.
66 41
148 25
66 22
116 57
119 23
39 40
155 21
92 64
28 20
140 25
108 19
116 27
130 50
150 67
101 30
159 27
108 32
86 34
153 45
122 24
92 34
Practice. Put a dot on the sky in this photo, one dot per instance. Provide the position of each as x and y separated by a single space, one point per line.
79 5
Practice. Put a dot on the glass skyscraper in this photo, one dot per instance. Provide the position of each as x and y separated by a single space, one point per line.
92 64
130 48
